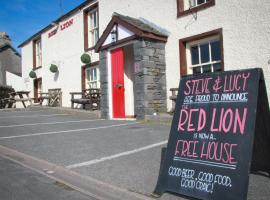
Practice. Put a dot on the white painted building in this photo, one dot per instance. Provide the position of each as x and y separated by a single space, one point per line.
61 43
202 36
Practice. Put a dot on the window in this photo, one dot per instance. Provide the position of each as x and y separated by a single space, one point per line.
92 77
91 29
185 7
201 53
37 53
204 56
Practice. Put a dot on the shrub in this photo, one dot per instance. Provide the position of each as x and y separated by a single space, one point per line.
85 58
53 68
32 74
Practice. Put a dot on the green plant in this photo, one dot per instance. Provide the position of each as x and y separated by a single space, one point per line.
85 58
32 74
53 68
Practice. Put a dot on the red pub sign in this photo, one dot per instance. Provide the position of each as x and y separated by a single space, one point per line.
62 27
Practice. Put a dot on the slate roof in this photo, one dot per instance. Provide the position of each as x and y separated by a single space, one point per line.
140 24
5 43
139 27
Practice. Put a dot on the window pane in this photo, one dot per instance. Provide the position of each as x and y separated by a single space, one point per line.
196 70
95 74
201 2
194 55
192 3
95 36
92 24
204 53
215 50
95 19
206 68
217 67
88 75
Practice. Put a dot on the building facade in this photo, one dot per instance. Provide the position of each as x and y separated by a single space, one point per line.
62 43
155 42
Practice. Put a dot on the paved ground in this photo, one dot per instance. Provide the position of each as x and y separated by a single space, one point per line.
20 183
122 154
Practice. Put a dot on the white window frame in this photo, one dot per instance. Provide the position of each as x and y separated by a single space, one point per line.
189 4
93 31
201 42
38 48
194 3
94 83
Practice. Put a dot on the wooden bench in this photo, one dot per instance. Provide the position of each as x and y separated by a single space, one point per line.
173 98
90 97
53 97
21 96
8 103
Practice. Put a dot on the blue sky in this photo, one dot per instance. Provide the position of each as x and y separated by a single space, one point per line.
23 18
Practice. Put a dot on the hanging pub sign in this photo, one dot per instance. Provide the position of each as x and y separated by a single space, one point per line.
220 132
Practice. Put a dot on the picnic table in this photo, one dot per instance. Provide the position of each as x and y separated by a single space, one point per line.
90 97
53 97
20 96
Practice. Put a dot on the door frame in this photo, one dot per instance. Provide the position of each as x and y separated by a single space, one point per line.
109 78
35 88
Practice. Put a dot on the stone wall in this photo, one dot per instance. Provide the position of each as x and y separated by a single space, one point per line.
150 78
104 100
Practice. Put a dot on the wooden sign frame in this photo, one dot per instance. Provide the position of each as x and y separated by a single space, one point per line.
219 134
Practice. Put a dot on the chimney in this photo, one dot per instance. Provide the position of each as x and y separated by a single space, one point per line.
4 38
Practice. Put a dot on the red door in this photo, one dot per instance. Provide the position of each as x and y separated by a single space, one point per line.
118 96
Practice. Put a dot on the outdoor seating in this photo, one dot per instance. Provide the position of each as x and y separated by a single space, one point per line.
173 98
53 97
20 96
88 97
5 101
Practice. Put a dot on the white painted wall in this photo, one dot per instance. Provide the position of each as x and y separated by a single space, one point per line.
246 40
15 81
122 34
129 80
27 65
245 25
63 49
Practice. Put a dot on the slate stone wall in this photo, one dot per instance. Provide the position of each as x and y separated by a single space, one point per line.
104 99
150 79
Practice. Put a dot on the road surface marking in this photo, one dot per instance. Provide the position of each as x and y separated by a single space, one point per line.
67 131
95 161
50 123
31 116
20 111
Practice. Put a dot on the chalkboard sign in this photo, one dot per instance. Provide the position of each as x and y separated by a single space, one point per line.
210 148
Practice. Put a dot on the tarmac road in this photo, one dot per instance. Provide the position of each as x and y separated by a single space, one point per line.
21 183
110 159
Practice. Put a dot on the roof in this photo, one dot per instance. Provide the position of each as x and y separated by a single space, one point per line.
36 35
5 43
139 27
140 24
7 46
